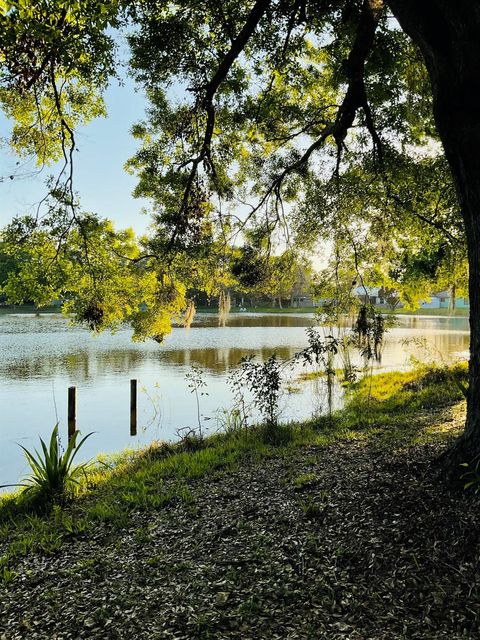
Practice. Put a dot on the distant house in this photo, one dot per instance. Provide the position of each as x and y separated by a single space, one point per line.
462 302
380 297
441 300
371 295
366 295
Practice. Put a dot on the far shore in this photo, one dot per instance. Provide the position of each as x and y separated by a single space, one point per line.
463 313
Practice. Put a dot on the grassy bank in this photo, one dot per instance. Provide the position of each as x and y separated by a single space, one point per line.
261 310
389 410
249 533
402 312
447 313
28 309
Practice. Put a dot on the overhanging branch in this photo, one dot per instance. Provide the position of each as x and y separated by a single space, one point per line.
207 93
355 99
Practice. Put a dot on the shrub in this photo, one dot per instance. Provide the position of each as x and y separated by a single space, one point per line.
190 440
230 421
263 380
471 477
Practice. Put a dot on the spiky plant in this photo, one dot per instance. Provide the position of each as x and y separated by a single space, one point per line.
53 476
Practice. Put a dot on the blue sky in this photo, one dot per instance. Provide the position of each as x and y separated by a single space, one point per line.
104 146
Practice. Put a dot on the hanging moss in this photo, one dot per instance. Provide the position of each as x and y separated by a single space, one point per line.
369 330
92 316
224 306
189 314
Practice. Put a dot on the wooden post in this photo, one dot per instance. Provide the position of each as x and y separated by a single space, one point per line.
72 411
133 407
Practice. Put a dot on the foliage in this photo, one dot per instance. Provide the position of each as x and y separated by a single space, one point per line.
53 475
399 229
369 330
266 133
7 575
236 383
94 270
275 434
390 296
366 335
471 475
230 420
55 58
313 510
263 381
260 123
249 268
319 349
305 480
319 109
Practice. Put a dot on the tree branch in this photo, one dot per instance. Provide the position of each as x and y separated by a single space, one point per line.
206 102
355 97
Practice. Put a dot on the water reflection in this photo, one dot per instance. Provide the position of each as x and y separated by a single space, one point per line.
82 365
41 356
255 320
222 360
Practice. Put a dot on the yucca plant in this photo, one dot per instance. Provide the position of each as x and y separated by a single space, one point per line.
53 475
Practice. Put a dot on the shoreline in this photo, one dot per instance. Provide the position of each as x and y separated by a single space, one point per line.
260 530
432 313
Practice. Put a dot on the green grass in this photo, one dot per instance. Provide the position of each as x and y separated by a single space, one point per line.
398 409
261 310
320 373
461 313
393 410
304 480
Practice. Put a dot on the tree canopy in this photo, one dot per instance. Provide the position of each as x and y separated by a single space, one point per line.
302 120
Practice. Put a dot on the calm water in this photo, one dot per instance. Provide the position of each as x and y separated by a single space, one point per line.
41 356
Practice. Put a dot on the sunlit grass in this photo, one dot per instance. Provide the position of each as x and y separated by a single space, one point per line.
320 373
458 313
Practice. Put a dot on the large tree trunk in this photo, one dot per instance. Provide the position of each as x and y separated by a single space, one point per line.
448 34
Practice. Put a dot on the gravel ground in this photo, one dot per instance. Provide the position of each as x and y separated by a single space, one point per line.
364 545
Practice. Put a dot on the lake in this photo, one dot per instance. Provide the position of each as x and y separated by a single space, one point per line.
41 356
